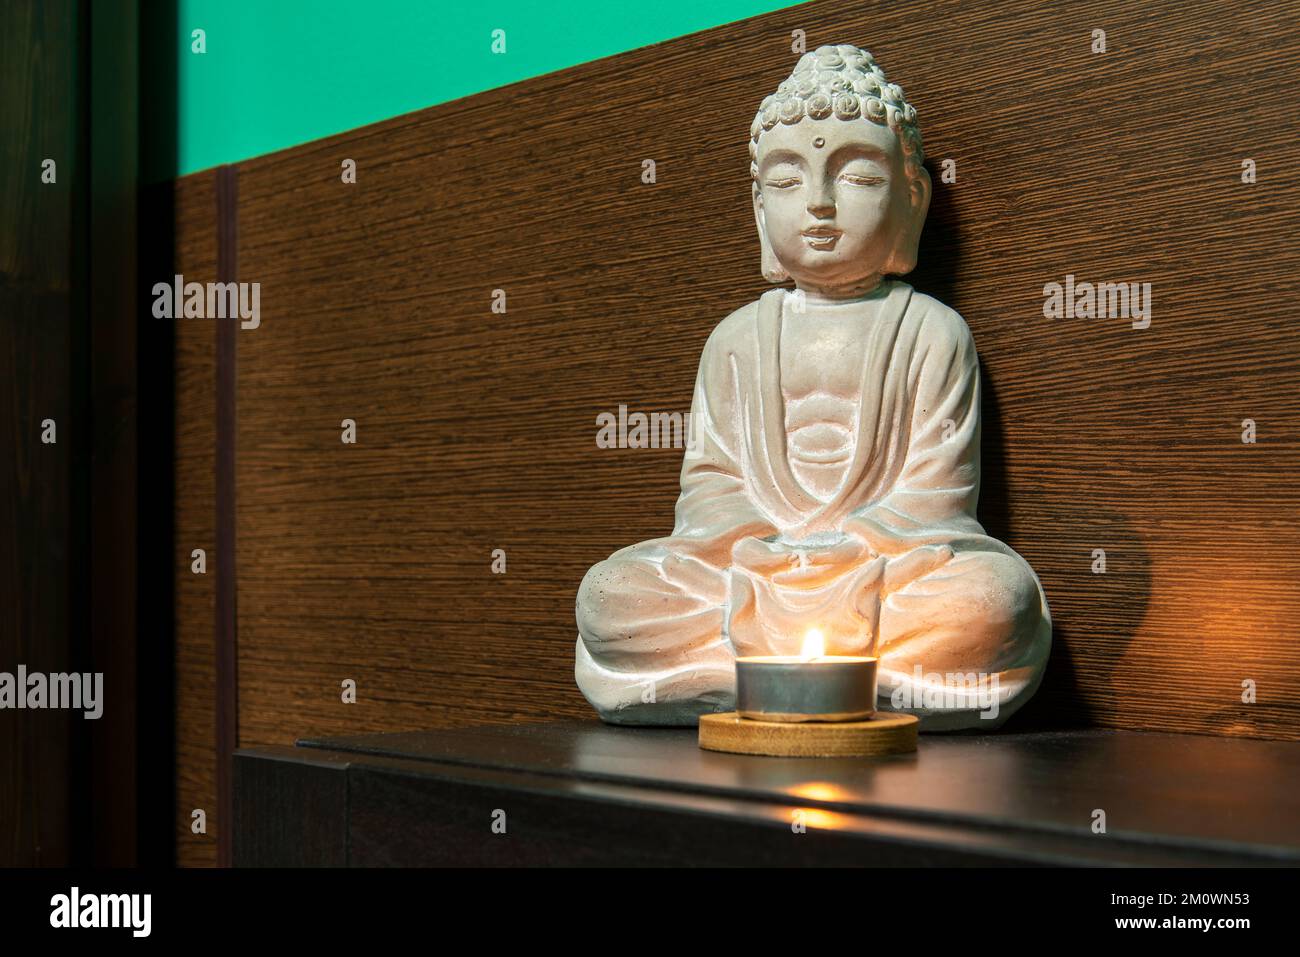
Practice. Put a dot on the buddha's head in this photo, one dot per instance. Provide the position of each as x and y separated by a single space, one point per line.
840 192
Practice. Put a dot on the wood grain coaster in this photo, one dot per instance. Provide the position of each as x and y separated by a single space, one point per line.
881 734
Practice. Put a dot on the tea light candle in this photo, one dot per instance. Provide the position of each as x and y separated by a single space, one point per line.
811 687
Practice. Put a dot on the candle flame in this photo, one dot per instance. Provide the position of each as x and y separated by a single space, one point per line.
814 645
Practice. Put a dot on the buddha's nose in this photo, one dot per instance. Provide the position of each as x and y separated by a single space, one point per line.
821 206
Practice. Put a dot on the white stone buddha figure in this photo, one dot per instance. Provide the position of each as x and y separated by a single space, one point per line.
833 473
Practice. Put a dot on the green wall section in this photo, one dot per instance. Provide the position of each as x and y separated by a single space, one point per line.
282 72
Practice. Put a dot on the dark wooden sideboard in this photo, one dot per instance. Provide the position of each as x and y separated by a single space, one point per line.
581 793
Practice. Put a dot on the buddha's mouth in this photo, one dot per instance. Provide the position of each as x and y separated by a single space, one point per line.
821 237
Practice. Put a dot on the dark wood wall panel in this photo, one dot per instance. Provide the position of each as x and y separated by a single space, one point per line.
42 487
476 431
68 509
195 443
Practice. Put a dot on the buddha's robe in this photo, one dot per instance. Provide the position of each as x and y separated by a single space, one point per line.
886 557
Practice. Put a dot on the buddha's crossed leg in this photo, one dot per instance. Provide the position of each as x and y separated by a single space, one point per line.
650 647
979 616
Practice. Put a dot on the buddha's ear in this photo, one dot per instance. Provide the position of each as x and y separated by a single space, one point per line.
903 259
773 271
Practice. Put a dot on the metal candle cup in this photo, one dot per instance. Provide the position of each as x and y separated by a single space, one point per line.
827 688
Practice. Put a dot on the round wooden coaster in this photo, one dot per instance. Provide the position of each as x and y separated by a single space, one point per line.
883 733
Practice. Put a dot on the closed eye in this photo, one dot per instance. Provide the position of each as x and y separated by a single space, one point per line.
863 180
784 183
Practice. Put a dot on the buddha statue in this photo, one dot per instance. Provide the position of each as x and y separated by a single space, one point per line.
833 470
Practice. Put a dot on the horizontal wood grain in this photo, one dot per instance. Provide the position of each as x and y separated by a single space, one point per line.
476 431
879 735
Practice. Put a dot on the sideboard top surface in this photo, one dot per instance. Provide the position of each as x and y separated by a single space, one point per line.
1215 794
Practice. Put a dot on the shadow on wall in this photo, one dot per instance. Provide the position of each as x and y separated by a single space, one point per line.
1061 701
1125 597
938 261
1070 584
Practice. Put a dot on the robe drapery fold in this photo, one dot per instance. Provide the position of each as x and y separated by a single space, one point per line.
895 563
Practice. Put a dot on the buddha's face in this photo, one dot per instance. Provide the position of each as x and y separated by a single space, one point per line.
835 203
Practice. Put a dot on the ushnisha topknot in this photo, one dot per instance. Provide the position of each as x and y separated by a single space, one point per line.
842 81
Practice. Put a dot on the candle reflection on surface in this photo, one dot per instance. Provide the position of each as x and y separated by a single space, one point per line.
819 791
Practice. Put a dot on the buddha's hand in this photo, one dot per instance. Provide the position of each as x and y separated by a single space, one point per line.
805 563
908 567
